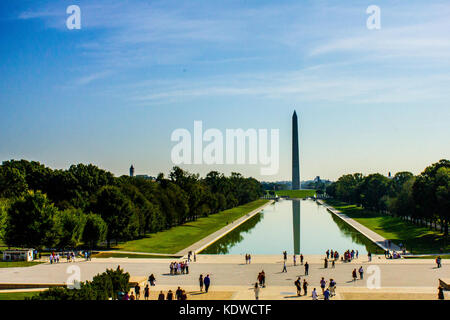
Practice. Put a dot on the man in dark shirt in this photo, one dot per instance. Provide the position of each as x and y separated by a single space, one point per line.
207 282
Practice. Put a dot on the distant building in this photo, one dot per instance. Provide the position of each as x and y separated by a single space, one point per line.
18 255
145 176
131 171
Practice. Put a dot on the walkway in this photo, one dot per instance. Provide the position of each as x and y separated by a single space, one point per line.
371 235
213 237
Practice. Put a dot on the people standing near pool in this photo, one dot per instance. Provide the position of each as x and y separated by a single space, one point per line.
306 268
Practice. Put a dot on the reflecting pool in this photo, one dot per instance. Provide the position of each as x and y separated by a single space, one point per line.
300 226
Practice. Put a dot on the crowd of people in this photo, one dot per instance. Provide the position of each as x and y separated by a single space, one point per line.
179 267
56 257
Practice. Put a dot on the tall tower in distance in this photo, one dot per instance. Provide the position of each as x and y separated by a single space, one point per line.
131 171
295 157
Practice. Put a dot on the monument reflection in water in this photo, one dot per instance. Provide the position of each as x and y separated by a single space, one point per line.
296 225
300 226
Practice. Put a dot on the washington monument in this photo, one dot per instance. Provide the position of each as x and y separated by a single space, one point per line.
295 161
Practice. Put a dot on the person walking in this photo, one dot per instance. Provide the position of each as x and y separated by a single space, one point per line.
332 263
249 259
200 280
305 287
298 285
207 282
325 264
438 261
284 255
137 291
326 295
369 255
147 292
332 287
361 273
301 259
178 293
306 268
314 294
354 274
284 266
256 290
295 260
151 279
323 284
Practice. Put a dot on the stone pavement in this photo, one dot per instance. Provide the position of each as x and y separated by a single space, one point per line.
231 274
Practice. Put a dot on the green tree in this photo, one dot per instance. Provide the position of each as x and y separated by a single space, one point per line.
116 210
69 226
30 221
94 231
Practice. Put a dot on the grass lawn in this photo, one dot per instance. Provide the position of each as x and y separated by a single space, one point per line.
180 237
17 264
417 239
130 255
17 295
296 193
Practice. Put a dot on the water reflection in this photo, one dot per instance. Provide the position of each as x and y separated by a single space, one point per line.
296 225
224 244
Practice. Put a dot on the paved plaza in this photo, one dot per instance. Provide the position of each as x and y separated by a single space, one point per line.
231 278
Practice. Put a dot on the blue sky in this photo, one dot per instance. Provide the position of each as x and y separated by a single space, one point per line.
112 93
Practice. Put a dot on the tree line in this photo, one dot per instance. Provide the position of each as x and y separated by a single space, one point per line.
85 205
424 198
